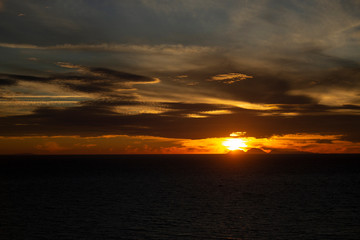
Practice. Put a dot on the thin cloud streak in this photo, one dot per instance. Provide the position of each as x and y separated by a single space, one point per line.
174 49
230 78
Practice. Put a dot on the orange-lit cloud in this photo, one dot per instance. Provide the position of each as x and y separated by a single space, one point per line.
50 147
314 143
230 78
205 114
237 134
123 144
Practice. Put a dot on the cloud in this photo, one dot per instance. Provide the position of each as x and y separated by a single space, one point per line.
88 80
195 110
237 134
154 109
126 77
20 46
316 143
333 87
266 88
173 122
230 78
50 147
16 77
106 73
87 85
70 65
333 96
7 82
171 49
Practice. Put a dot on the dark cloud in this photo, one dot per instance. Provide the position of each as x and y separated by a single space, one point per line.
262 89
295 114
15 77
124 100
7 82
313 109
344 77
100 119
93 87
120 76
324 141
90 80
183 109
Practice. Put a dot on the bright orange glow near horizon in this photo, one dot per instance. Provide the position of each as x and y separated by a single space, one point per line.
124 144
234 144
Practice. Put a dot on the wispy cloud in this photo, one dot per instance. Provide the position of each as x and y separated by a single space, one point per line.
331 96
173 49
230 78
88 79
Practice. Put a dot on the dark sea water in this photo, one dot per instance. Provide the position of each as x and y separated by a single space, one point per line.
180 197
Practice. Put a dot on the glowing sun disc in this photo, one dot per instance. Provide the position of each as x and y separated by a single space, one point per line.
234 144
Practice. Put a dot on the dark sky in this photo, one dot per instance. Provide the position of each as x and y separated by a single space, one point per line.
146 76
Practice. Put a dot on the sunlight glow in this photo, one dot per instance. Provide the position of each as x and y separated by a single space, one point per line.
234 144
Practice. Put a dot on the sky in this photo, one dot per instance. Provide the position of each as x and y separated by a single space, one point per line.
185 76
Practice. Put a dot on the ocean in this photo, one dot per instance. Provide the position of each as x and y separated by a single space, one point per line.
264 196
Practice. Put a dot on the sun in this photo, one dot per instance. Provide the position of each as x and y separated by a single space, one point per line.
234 144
